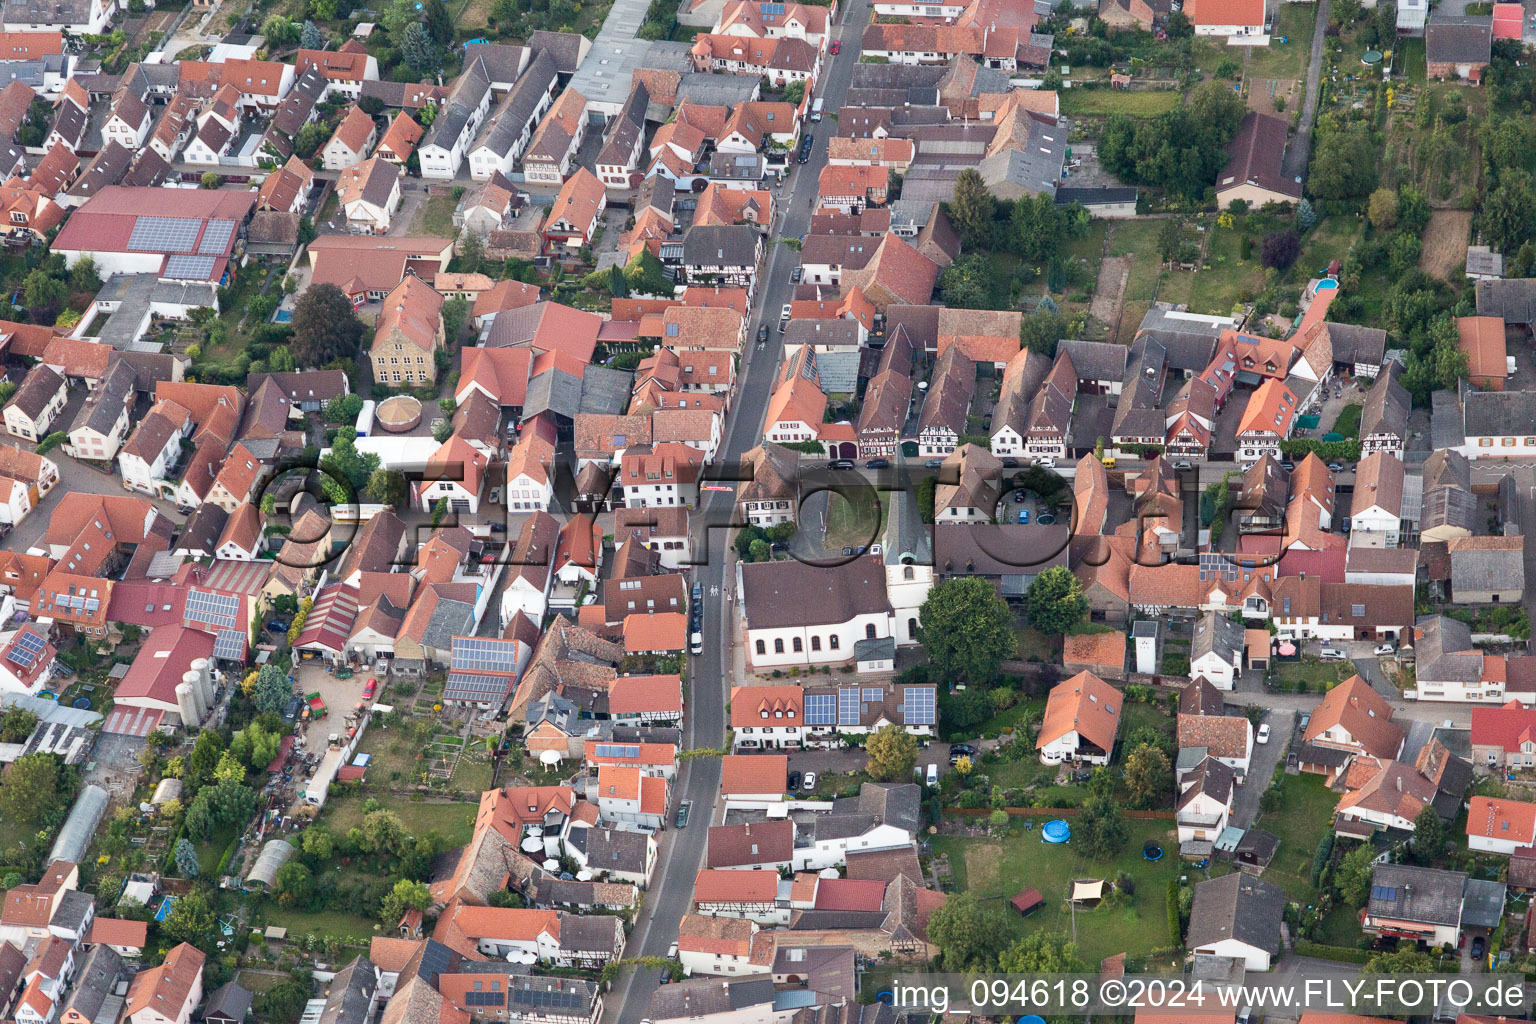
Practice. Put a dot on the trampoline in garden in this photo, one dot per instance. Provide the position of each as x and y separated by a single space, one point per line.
1056 831
82 702
1151 851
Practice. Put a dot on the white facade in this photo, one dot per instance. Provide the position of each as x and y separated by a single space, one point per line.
801 646
1222 674
1253 958
833 853
1064 748
1375 527
1203 818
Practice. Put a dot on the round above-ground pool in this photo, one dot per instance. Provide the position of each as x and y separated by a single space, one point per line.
1057 831
1151 851
47 695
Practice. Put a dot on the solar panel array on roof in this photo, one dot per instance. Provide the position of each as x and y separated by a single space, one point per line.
164 234
480 654
820 709
848 706
1216 566
216 237
229 644
570 996
25 650
190 268
218 610
476 686
484 998
617 750
918 706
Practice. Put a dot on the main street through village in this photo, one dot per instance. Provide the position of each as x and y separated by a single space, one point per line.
710 678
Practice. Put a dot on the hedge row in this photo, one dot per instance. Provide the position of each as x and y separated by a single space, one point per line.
1342 954
1175 932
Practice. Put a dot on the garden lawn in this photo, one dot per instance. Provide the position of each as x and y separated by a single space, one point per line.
1225 280
1348 423
1013 718
1294 22
210 853
1105 102
348 927
1304 816
455 821
1318 675
1409 55
997 869
436 218
392 755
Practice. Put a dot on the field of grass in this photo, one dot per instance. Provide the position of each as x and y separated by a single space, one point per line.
1225 280
1408 55
1294 22
1318 675
1330 239
1138 240
209 853
1303 817
1107 102
348 927
997 869
454 821
1348 423
435 218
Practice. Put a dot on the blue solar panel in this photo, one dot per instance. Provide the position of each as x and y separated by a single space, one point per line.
229 644
617 750
216 237
848 706
820 709
190 268
164 234
1384 892
220 610
481 654
476 686
918 706
25 650
873 694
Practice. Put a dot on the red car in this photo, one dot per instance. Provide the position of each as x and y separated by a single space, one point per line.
368 689
837 47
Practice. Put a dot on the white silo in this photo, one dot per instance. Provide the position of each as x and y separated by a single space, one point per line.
191 679
186 702
204 669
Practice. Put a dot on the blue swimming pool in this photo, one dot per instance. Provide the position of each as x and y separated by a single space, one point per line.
164 910
1057 831
282 316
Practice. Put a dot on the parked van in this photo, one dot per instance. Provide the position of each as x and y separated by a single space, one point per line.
933 775
816 107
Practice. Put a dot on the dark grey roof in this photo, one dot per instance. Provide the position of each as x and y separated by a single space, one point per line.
1213 778
564 47
1496 413
95 978
149 169
700 997
449 619
1188 339
500 60
203 529
906 538
627 128
74 909
1091 197
106 168
1095 360
48 12
539 995
1386 404
39 388
1216 633
1034 169
597 933
1445 427
350 994
1237 906
894 803
1486 569
716 90
1353 343
1402 892
728 245
1447 506
794 593
1444 651
1259 844
1458 39
552 391
519 111
610 850
1514 300
604 389
468 90
1482 903
104 405
1010 550
228 1002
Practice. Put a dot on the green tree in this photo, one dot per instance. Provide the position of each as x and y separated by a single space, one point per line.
1383 209
966 629
190 920
208 748
1428 836
310 138
398 15
1508 212
383 832
347 470
83 276
455 316
342 408
971 210
1405 960
967 934
43 293
210 180
1101 828
1054 601
292 884
186 858
1346 12
325 328
1043 953
229 769
406 895
280 31
273 690
29 787
1344 165
1147 775
387 487
418 49
892 754
1040 332
318 843
310 37
1170 240
967 282
1353 877
439 22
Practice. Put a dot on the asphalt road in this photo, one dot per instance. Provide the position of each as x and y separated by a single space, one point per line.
698 780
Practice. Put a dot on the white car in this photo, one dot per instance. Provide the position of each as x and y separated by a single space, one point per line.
696 644
1264 733
1046 463
1385 650
784 313
809 782
1329 654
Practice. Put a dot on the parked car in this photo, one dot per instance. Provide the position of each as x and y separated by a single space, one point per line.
1010 463
878 464
794 275
682 813
933 775
1023 517
794 781
498 527
698 592
840 464
277 626
959 750
784 313
1479 946
696 643
1329 654
1385 650
762 333
933 463
369 688
1263 736
810 781
1183 465
1335 467
1046 463
836 47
